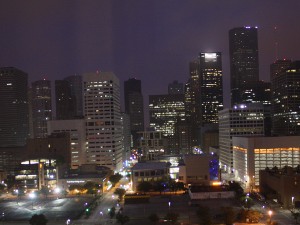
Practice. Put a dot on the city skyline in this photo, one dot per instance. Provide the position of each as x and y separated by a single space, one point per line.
145 40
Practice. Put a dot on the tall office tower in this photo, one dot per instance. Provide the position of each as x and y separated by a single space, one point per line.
192 103
286 101
175 88
164 111
134 107
244 68
103 119
192 93
241 120
211 87
278 66
41 107
14 121
75 83
126 138
65 102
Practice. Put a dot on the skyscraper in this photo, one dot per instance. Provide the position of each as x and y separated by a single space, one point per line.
14 122
134 107
211 87
103 119
41 107
75 82
65 102
164 112
241 120
285 86
244 67
68 96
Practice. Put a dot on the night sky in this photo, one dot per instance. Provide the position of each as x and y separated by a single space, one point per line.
151 40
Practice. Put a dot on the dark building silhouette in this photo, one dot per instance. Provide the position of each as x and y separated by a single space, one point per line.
41 107
68 98
259 91
134 107
175 88
65 102
278 66
244 66
75 83
14 121
285 87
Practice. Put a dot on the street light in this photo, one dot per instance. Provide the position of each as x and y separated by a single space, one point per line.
32 196
293 201
68 221
169 203
270 214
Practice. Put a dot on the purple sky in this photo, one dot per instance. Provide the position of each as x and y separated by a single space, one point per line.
152 40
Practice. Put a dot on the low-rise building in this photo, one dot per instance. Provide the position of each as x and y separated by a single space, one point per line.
199 169
33 174
252 154
282 185
83 174
148 171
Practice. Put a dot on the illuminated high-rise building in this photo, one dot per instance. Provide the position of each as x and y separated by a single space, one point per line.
14 121
134 107
242 120
41 107
102 113
164 112
285 86
244 66
211 87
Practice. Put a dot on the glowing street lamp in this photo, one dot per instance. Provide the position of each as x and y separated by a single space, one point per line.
169 203
270 212
293 201
32 197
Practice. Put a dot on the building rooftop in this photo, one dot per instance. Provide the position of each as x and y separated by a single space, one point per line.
149 165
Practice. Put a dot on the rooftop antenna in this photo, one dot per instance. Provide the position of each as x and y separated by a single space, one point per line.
276 42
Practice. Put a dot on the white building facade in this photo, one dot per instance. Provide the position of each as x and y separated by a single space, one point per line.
251 154
102 114
76 129
241 120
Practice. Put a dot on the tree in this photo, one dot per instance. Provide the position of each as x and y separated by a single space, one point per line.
121 218
154 218
112 212
251 216
228 215
91 187
120 192
246 201
204 215
172 216
115 178
236 187
38 219
159 186
144 186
